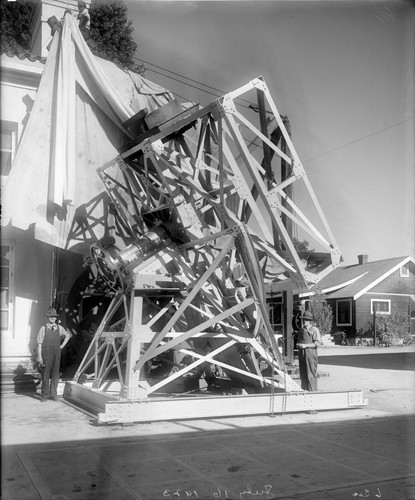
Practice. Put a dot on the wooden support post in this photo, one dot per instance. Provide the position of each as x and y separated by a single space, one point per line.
288 306
289 189
131 389
264 129
288 299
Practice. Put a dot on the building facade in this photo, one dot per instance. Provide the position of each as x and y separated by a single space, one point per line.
356 292
30 281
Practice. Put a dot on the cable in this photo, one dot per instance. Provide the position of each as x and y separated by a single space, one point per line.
184 83
220 92
251 106
254 107
182 76
354 140
359 139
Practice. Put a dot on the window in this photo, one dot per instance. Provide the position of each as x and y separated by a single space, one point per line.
404 272
275 314
344 312
6 287
8 147
381 306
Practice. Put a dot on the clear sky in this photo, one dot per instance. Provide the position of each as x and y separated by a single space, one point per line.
343 73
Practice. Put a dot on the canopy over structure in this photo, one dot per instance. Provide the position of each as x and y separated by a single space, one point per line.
77 125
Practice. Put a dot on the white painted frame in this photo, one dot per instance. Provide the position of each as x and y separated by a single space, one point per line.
13 128
388 301
349 301
404 271
8 333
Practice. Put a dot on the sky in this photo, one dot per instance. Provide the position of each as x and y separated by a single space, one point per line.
343 74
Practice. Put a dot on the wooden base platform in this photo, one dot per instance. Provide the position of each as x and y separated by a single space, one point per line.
110 409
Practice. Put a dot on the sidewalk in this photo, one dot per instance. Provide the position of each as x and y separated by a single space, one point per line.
53 451
345 350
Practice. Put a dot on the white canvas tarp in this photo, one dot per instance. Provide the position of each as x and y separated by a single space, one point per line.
76 126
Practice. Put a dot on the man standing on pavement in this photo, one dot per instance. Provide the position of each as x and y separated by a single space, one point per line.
309 340
49 348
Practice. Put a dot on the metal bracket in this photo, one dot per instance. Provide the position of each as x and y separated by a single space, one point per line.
259 84
228 104
240 186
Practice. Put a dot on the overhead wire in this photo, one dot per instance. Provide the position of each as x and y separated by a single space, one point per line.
360 138
217 92
253 107
182 76
180 81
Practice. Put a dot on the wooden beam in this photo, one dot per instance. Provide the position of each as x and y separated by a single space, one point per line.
109 410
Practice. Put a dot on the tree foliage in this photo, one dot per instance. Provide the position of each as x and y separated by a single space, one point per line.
302 246
322 311
393 329
112 33
15 25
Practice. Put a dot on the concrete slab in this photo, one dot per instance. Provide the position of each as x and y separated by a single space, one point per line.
52 451
268 461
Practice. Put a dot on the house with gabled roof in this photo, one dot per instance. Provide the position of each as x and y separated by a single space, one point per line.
355 292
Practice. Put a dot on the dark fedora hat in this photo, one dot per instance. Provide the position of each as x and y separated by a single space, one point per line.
308 316
52 312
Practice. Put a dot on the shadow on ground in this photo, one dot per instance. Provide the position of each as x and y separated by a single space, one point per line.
330 460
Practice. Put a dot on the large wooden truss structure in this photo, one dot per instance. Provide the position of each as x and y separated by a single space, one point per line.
204 201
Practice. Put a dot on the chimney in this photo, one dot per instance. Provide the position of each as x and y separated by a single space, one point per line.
362 259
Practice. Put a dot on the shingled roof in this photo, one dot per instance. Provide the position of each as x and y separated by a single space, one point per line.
354 280
22 54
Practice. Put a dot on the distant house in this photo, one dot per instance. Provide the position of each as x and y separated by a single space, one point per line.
354 292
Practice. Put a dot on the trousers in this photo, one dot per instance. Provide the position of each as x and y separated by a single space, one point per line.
51 354
308 362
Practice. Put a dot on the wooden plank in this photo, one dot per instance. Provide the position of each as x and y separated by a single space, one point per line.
110 410
136 124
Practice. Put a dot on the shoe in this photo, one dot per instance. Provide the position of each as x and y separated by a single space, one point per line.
54 399
43 400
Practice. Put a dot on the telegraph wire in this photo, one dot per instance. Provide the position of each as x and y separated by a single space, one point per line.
354 140
251 106
182 76
180 81
219 93
254 107
360 139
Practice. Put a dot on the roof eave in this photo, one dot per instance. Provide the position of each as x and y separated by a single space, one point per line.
384 276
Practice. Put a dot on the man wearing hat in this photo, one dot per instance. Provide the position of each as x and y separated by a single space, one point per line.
84 20
49 348
309 340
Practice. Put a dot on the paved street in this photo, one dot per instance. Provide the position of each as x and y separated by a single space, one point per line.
53 451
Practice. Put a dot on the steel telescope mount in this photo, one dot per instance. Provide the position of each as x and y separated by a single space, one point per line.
203 210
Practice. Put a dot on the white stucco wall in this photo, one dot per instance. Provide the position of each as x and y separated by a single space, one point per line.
33 289
44 10
19 80
31 281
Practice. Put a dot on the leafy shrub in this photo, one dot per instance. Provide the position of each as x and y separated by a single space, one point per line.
340 338
391 330
112 33
365 341
15 25
322 312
